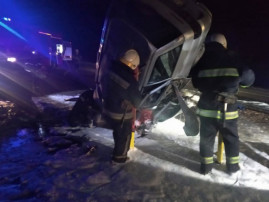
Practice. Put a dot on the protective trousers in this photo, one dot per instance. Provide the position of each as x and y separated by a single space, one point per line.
208 131
122 131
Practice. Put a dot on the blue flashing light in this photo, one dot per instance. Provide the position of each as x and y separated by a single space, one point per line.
12 31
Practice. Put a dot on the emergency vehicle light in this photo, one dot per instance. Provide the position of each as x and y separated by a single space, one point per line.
11 59
48 34
6 19
11 30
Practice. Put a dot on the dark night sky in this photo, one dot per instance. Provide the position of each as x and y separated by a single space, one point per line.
244 22
78 21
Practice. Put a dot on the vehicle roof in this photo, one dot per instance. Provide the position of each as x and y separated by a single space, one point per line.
158 30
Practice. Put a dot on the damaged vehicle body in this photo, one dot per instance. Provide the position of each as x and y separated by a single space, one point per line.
169 37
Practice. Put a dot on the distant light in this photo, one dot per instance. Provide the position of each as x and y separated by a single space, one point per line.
48 34
11 59
59 48
6 19
33 52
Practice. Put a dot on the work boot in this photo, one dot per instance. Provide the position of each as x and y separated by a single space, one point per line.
233 168
120 159
206 168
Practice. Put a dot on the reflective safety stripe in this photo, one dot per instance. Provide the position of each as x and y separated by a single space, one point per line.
217 114
232 160
207 160
244 86
120 81
218 72
118 116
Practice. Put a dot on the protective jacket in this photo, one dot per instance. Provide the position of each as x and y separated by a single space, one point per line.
219 72
120 94
119 85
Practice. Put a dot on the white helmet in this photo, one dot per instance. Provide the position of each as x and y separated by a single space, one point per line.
131 59
219 38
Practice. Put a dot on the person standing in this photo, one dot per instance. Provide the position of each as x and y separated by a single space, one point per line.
120 93
218 76
77 59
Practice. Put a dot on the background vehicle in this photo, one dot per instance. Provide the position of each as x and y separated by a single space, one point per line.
26 57
24 44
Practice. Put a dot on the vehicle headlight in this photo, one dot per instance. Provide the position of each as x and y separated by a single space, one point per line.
11 59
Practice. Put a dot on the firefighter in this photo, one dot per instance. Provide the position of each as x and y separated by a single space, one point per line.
120 93
218 76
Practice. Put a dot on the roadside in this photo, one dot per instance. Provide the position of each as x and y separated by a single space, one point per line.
55 162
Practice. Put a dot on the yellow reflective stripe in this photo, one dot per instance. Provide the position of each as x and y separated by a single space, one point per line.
209 113
207 160
217 114
218 72
244 86
232 160
231 115
118 116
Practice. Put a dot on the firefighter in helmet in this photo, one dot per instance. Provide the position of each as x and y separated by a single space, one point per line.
218 75
120 94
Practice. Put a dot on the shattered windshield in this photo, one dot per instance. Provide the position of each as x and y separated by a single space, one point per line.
165 65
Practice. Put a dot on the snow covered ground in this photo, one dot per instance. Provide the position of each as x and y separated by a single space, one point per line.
73 163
